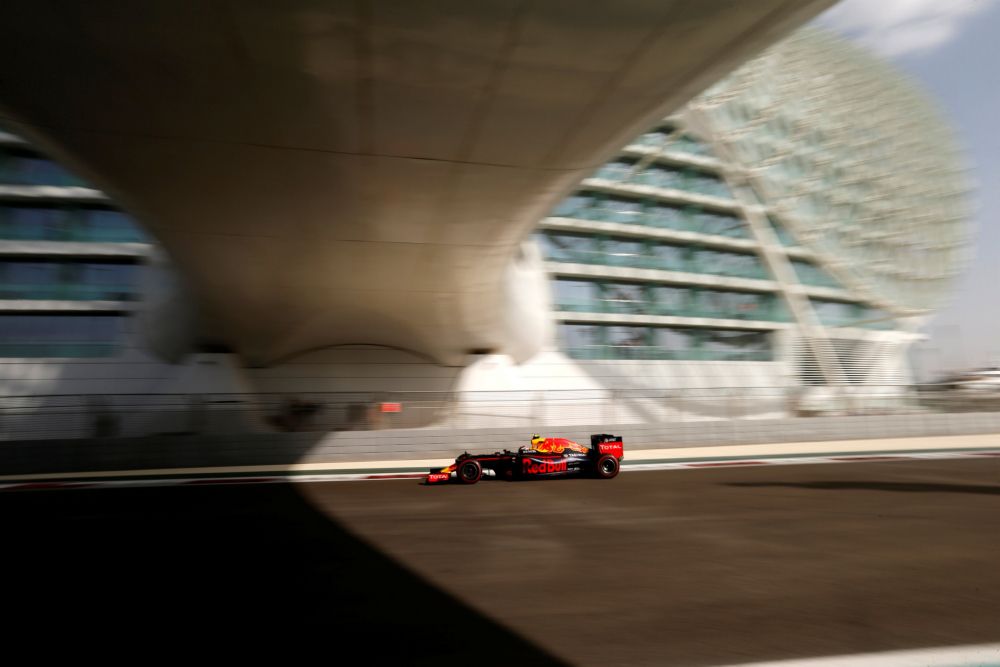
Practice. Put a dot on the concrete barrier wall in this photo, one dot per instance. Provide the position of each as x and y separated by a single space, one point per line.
39 456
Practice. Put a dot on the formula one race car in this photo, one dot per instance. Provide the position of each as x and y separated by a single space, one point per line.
546 457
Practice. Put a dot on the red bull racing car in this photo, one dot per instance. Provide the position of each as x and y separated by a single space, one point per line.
545 458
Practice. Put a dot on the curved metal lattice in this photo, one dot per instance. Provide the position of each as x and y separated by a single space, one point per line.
854 160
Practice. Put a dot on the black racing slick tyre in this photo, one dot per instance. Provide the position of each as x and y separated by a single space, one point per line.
607 467
469 472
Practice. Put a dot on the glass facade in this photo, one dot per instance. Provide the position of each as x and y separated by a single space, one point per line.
67 223
24 167
842 314
665 176
618 342
810 274
647 212
596 296
785 237
854 155
28 275
688 144
666 170
669 139
73 280
59 335
639 253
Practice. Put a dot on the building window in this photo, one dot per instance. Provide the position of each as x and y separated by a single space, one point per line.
49 223
668 300
594 341
34 223
59 335
583 341
740 265
720 224
625 252
67 280
784 236
629 342
618 170
670 217
810 274
720 344
738 305
111 226
624 298
676 343
669 257
627 211
845 314
568 247
654 138
574 206
28 169
576 295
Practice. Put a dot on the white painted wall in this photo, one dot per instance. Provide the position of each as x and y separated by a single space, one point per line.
351 381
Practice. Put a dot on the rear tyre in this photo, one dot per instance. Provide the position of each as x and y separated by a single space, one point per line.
607 467
469 472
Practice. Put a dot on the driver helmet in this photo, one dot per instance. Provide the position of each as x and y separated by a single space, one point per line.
536 439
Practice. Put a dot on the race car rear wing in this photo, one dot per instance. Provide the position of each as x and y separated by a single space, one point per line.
605 443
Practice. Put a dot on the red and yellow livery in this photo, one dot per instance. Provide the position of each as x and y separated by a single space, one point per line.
544 458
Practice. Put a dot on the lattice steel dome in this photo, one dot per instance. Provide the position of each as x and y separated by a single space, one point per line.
854 160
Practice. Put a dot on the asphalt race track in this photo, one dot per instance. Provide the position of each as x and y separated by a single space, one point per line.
696 567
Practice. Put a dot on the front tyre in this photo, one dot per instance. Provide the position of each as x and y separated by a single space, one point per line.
469 472
607 467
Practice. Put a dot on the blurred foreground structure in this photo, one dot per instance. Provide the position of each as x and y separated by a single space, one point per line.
772 249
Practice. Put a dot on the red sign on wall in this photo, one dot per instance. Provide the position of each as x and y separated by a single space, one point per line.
391 407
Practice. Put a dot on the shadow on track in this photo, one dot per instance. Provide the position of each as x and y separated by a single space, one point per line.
248 566
902 487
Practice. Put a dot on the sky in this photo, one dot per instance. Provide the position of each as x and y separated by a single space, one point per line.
951 48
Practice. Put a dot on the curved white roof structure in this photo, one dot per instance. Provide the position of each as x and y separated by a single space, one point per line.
363 172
